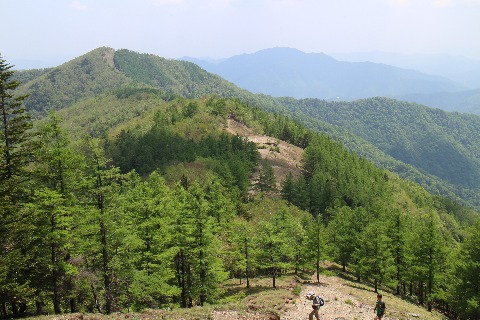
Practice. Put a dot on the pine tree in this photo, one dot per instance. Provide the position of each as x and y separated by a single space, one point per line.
465 295
243 248
101 184
314 242
371 253
427 249
397 236
275 242
145 263
17 145
56 174
287 190
266 181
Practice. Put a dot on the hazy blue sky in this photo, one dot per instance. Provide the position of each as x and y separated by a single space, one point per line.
54 31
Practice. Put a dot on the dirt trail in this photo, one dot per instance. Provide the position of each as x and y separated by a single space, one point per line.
339 304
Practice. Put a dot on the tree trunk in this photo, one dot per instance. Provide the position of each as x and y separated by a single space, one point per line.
181 272
274 276
247 264
318 252
55 276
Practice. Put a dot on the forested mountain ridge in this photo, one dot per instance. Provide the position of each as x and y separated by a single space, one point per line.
435 148
147 205
104 69
462 101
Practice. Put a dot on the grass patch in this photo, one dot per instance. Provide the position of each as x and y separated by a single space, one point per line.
297 290
350 302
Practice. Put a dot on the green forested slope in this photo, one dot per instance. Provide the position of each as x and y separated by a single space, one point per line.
80 78
148 203
442 145
180 78
434 148
105 69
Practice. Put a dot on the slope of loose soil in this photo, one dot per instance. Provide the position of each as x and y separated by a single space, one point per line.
282 156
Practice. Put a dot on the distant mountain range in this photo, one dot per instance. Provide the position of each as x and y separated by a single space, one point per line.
463 70
437 149
293 73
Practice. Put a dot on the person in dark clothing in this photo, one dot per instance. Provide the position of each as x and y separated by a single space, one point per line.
379 308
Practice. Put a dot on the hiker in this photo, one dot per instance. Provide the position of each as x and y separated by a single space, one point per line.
379 308
317 302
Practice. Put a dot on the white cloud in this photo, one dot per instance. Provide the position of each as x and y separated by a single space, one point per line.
78 6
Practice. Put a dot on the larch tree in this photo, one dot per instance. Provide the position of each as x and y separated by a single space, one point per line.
56 172
101 184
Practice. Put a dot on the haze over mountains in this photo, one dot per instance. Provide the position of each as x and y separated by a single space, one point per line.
290 72
463 70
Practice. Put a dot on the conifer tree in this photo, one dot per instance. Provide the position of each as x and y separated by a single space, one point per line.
16 149
465 295
55 172
287 190
275 243
243 248
266 180
371 253
397 235
314 242
208 269
145 264
344 230
100 186
427 248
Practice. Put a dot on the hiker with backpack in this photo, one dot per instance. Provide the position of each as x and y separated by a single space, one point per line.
317 302
379 308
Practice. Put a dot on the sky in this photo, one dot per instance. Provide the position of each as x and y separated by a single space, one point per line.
43 33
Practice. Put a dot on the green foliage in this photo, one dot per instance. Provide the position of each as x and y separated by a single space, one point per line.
426 141
86 76
465 295
173 76
266 180
180 136
154 210
17 146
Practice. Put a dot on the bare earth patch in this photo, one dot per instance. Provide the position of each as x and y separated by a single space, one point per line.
282 156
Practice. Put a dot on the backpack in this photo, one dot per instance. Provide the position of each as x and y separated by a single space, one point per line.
381 305
319 301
